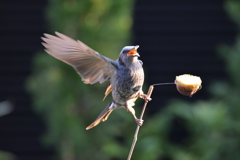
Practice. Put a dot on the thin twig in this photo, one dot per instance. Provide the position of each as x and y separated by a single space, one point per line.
158 84
150 90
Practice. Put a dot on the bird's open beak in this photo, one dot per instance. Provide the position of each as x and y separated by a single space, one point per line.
133 52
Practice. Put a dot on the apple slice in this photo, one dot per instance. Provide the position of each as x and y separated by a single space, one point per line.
188 84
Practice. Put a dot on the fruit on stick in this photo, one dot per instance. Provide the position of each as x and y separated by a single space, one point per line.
188 84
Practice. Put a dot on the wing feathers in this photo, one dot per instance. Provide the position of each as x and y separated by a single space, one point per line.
89 64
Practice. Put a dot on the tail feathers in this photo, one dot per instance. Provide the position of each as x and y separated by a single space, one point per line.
103 116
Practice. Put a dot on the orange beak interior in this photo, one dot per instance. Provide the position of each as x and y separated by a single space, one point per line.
132 52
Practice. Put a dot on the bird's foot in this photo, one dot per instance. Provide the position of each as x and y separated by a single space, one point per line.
145 97
139 121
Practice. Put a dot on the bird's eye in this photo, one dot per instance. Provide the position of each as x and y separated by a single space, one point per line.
124 52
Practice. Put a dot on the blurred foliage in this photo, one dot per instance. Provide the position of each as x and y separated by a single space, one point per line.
68 105
205 130
6 156
6 108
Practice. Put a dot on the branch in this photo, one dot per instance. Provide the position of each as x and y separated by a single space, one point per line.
150 90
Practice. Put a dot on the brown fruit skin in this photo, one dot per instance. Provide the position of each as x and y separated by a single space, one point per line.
187 91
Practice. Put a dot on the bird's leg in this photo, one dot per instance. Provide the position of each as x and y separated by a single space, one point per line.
139 121
132 111
145 97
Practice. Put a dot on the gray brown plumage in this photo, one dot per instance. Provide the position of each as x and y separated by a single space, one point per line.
126 74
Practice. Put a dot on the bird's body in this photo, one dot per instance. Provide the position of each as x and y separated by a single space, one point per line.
126 74
128 82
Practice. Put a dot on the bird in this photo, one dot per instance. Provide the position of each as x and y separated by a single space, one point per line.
125 75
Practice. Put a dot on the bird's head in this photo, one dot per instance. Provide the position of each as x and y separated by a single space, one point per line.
129 54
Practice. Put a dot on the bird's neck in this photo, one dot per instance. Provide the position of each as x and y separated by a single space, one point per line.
130 62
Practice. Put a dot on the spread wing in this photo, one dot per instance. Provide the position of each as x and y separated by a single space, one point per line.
90 65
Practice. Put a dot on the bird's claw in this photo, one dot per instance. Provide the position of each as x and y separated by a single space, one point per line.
146 97
139 122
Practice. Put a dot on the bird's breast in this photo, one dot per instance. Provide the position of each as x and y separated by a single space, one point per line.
127 83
